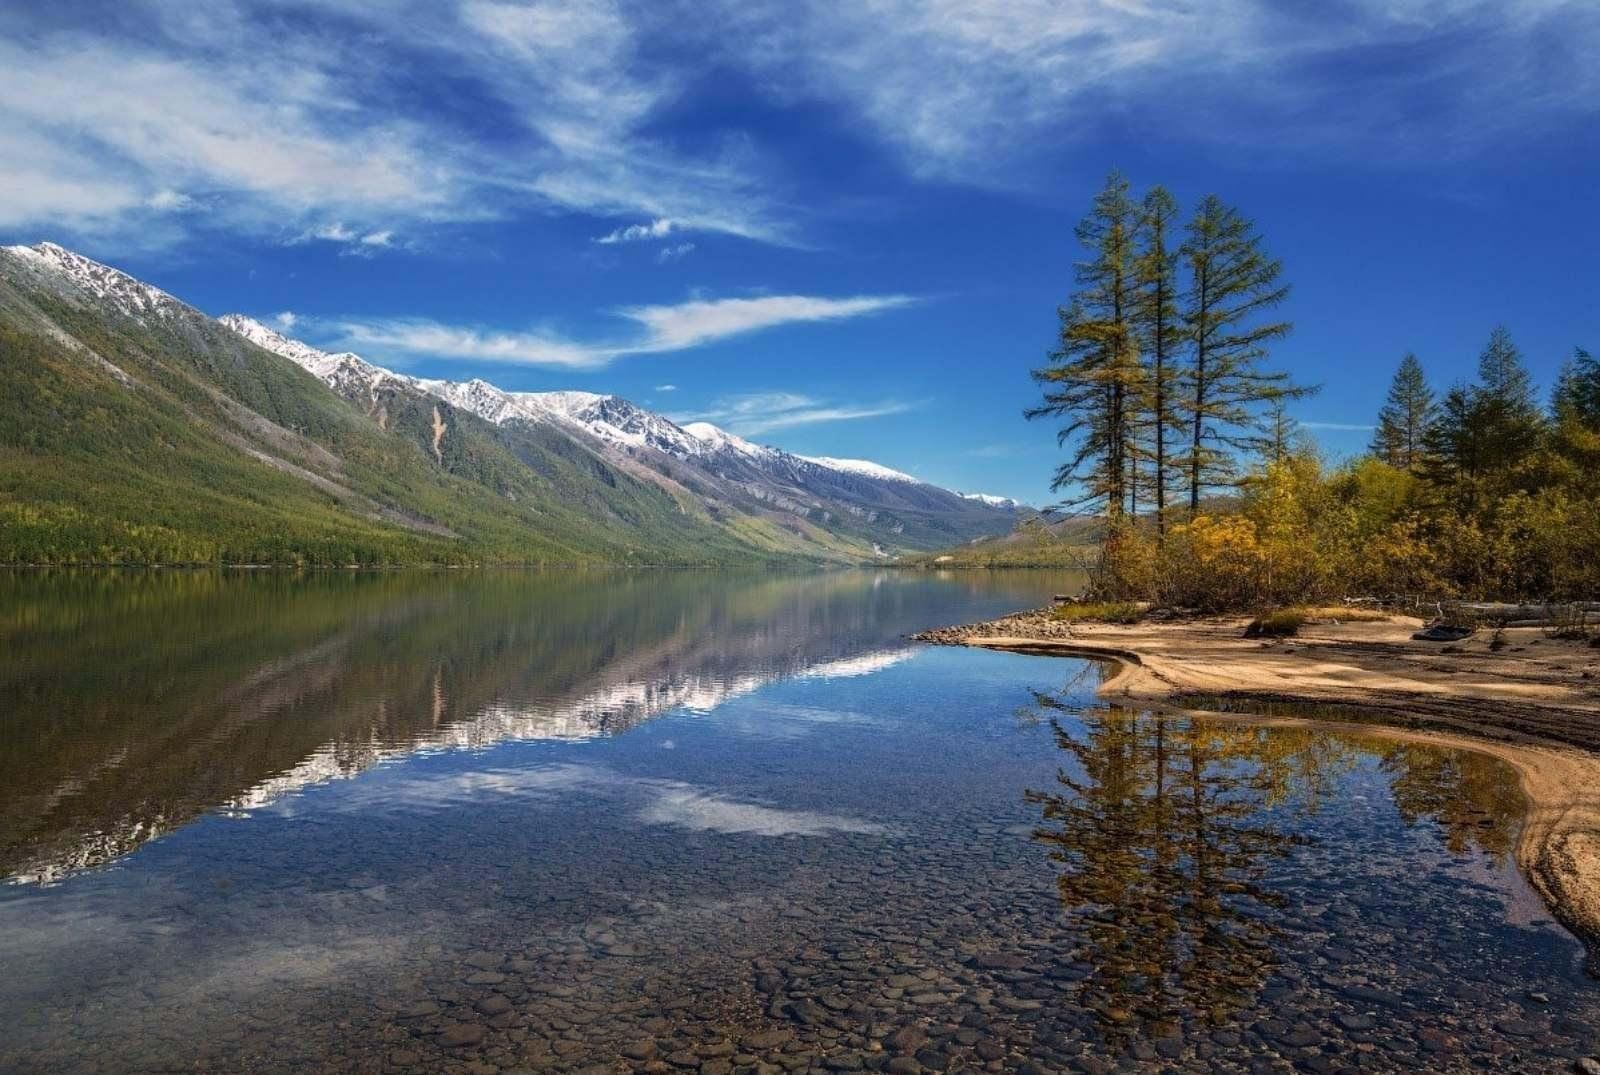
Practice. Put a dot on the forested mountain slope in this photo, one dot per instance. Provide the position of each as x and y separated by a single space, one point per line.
134 428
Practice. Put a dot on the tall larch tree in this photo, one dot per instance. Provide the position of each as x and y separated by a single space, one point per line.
1093 382
1158 326
1407 412
1232 285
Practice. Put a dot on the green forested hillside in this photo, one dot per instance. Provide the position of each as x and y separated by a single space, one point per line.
170 439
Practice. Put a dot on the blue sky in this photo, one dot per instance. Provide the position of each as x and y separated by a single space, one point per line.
838 228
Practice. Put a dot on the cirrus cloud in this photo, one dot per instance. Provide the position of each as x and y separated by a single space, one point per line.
755 413
657 329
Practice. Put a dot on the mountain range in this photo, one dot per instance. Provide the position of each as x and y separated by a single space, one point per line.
135 428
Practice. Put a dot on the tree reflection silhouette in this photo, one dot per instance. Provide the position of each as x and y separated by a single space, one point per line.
1475 798
1163 845
1165 830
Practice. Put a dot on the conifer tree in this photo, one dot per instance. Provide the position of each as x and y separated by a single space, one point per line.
1576 399
1094 379
1484 430
1507 417
1232 283
1159 329
1407 413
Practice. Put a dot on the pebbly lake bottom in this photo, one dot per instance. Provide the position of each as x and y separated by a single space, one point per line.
889 858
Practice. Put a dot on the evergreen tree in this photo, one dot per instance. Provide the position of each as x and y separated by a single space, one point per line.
1281 435
1407 413
1232 283
1508 419
1094 379
1576 399
1452 445
1159 328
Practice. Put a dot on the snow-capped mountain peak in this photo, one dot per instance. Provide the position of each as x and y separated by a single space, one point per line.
610 419
719 439
111 286
340 370
862 467
320 363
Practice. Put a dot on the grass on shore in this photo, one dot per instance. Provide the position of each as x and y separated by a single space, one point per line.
1279 623
1123 612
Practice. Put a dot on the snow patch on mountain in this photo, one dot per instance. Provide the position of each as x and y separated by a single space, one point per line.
721 440
863 467
110 286
342 371
992 501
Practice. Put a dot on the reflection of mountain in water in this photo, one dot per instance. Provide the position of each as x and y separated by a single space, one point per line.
136 702
1164 836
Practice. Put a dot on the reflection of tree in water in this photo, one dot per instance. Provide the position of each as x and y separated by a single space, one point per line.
1164 851
1475 798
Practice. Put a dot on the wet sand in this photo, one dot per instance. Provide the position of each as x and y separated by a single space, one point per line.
1535 704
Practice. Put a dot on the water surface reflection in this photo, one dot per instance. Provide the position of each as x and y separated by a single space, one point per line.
1166 830
719 825
136 701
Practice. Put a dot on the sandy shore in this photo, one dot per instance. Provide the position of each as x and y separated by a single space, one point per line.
1535 704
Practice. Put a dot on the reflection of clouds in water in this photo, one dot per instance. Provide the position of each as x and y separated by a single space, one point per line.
783 721
624 704
666 802
864 665
685 806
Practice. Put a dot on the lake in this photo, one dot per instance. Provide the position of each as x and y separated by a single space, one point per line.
480 822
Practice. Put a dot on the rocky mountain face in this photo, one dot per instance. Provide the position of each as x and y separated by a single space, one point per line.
368 463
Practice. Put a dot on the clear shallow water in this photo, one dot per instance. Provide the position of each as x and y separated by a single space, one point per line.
713 823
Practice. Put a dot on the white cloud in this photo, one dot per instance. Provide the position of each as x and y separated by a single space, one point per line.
688 324
430 339
277 119
1416 76
660 329
666 388
756 413
659 228
280 124
1352 427
170 201
674 253
285 320
360 243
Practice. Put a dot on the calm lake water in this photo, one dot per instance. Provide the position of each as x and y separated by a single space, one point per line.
715 823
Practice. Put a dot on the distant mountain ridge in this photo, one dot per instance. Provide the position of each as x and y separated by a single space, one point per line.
135 427
609 417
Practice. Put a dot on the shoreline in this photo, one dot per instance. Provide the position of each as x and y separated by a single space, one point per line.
1534 705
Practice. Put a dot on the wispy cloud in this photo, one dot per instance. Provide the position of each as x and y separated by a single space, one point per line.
688 324
656 329
659 228
417 338
1416 77
674 253
666 388
354 242
755 413
150 117
276 124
